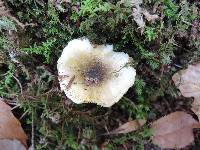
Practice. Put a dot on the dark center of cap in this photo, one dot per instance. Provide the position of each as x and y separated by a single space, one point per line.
94 74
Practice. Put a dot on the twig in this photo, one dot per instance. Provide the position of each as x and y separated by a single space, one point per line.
20 85
14 107
8 101
161 72
105 127
62 132
12 103
132 103
22 116
70 82
79 134
5 12
32 136
125 147
19 23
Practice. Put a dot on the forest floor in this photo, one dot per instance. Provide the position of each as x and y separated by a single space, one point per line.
162 37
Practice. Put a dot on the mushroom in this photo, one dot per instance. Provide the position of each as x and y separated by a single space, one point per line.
94 73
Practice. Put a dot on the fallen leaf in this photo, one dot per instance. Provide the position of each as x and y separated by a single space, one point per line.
188 82
11 132
196 106
7 144
149 17
138 17
174 130
129 126
138 13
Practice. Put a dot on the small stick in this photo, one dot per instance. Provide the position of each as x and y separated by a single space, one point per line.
24 114
20 85
70 82
32 147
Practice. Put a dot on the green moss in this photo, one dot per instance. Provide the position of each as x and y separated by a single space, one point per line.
165 44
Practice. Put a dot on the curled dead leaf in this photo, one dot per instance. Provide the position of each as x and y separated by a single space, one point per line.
149 17
138 13
174 130
129 126
11 132
188 82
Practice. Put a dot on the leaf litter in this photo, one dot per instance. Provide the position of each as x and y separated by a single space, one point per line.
174 130
127 127
188 82
12 136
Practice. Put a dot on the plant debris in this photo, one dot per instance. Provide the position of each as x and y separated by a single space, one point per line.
128 127
11 132
188 82
174 130
5 12
158 39
139 13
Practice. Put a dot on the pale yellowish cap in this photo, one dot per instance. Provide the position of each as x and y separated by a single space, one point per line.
94 73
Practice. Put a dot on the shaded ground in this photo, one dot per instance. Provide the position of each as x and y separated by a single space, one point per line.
30 55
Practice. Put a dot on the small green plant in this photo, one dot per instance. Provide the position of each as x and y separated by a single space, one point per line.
106 15
137 137
7 83
171 9
93 7
150 34
156 53
45 49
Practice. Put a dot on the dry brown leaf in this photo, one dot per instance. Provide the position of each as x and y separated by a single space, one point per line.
10 128
129 126
188 82
7 144
139 13
174 130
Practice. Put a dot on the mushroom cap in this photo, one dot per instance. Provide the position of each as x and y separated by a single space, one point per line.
94 73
